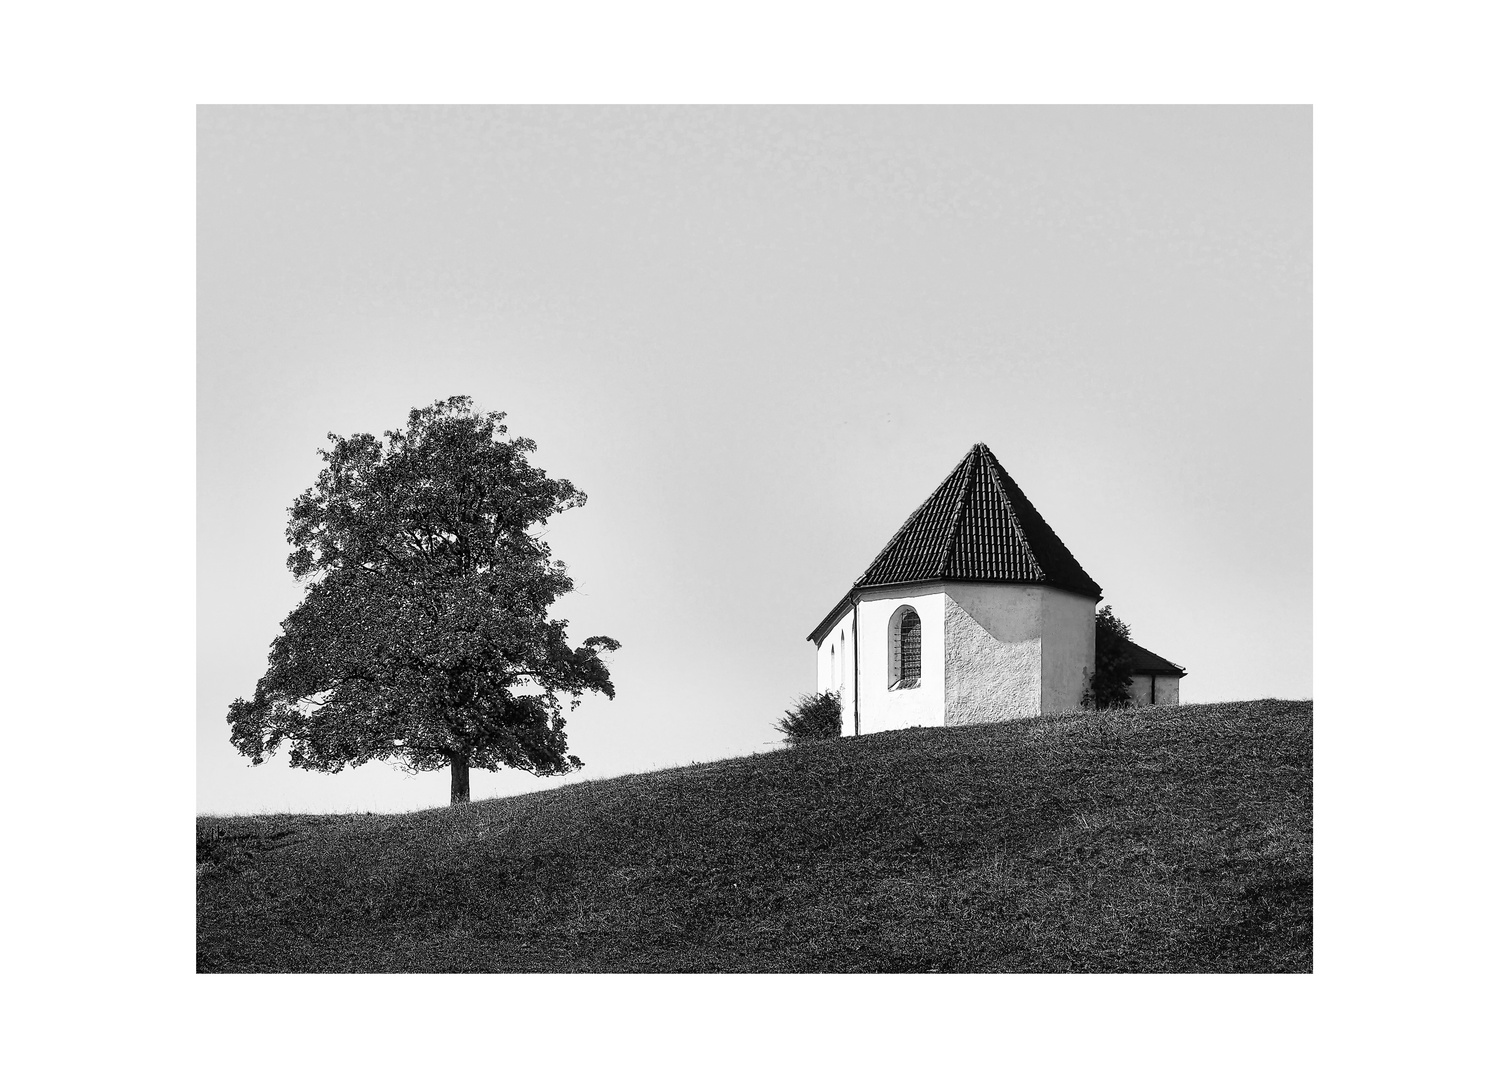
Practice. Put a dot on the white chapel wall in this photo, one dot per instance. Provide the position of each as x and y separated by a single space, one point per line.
839 676
1067 650
992 647
989 652
883 709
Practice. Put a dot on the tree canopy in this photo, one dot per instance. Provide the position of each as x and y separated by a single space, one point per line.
1113 668
424 634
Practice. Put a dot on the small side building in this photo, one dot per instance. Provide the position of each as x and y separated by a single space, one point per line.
1156 681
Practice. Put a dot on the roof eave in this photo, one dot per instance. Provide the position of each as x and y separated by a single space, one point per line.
1148 662
1095 593
835 612
829 620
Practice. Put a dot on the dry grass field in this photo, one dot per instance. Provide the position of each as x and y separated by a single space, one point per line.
1171 839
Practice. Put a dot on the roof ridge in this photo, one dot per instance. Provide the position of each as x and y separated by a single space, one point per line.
911 518
900 531
1013 518
953 534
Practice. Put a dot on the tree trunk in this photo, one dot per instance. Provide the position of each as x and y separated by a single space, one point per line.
460 792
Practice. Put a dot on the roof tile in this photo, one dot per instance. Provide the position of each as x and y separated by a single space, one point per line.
1147 663
976 526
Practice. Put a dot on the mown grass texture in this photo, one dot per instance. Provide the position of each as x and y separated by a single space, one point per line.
1168 839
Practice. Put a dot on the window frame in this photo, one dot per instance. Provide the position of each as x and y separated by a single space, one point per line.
896 679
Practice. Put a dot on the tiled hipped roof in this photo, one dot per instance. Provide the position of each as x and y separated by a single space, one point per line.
1147 663
977 526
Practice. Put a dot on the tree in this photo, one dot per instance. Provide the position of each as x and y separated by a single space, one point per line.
812 717
423 634
1113 668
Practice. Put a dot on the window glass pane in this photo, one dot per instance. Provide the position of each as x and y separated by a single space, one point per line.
910 646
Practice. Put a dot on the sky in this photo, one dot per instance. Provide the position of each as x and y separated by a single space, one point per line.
758 338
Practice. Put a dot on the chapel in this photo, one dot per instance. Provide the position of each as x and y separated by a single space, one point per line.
974 611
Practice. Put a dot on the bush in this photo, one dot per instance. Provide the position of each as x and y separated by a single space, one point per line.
1113 669
813 717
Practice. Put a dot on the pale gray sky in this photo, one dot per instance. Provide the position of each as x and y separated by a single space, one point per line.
758 338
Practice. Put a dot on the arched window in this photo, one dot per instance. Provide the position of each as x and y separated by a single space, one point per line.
834 671
904 634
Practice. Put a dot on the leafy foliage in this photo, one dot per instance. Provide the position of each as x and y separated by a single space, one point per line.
1113 669
812 717
423 634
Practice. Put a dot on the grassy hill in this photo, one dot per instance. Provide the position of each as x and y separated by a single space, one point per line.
1162 839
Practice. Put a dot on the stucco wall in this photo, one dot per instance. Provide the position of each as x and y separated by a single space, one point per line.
841 678
887 710
1167 690
988 652
992 651
1139 689
1067 650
